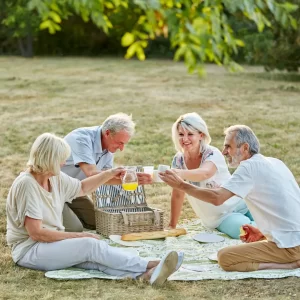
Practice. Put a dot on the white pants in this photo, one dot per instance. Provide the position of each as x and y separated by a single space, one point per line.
85 253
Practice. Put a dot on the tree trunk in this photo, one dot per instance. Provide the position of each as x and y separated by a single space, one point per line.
26 44
21 46
29 45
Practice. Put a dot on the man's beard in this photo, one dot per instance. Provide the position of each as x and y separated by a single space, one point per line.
235 160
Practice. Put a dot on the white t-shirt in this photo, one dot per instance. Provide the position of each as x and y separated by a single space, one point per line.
27 198
273 197
86 147
211 215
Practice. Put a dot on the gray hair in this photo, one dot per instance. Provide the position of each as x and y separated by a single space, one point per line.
47 153
119 122
244 134
191 122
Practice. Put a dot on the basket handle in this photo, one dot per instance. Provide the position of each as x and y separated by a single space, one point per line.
155 222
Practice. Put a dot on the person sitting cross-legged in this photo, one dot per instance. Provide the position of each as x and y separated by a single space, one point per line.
272 195
34 221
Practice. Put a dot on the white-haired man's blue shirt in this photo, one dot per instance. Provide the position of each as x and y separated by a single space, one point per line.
86 147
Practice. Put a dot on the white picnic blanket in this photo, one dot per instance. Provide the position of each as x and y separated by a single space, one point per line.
196 256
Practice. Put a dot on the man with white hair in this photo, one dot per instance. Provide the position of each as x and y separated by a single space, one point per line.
92 150
272 196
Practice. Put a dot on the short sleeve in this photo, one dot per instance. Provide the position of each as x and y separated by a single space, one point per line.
69 187
177 162
27 202
214 156
81 149
241 182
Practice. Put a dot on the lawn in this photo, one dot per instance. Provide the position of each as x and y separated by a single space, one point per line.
60 94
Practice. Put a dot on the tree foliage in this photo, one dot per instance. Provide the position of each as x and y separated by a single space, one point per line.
276 48
198 30
22 24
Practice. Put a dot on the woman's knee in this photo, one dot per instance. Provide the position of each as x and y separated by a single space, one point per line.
231 225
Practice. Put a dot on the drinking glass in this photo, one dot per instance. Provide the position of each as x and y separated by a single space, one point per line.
130 180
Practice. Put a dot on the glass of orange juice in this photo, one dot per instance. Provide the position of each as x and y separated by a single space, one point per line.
130 180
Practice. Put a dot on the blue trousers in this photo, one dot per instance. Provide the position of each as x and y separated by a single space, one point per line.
231 225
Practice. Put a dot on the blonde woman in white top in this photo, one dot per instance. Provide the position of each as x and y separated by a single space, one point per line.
35 230
204 165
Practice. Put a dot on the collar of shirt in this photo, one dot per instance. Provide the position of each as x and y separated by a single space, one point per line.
98 145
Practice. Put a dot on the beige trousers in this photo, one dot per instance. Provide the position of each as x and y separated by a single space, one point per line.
78 214
248 256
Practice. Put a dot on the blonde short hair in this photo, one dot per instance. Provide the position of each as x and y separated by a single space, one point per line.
191 122
47 153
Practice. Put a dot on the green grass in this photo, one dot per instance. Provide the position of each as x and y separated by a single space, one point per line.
60 94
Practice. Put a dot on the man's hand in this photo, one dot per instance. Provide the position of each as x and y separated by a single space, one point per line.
144 178
252 234
171 178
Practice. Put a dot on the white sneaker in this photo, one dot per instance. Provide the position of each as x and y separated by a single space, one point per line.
180 260
164 269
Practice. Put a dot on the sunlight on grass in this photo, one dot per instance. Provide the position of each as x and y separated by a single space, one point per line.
60 94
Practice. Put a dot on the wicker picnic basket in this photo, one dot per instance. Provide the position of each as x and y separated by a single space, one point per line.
120 212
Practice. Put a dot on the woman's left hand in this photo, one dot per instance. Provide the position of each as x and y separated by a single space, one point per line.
177 171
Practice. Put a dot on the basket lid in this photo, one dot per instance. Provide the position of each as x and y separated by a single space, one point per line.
115 196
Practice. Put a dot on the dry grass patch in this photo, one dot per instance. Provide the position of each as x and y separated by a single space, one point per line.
60 94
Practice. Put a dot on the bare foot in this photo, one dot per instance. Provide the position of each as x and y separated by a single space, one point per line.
152 264
296 264
147 275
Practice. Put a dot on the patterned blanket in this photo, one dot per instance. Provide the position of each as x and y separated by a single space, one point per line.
196 265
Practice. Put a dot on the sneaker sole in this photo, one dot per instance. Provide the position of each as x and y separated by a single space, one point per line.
168 268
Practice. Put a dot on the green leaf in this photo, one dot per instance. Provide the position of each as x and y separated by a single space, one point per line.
144 44
190 27
191 69
189 58
180 52
271 5
127 39
201 71
55 17
293 22
108 5
55 7
284 20
131 51
289 7
240 43
45 25
140 53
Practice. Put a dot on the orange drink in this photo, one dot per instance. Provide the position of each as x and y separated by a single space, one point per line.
129 186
